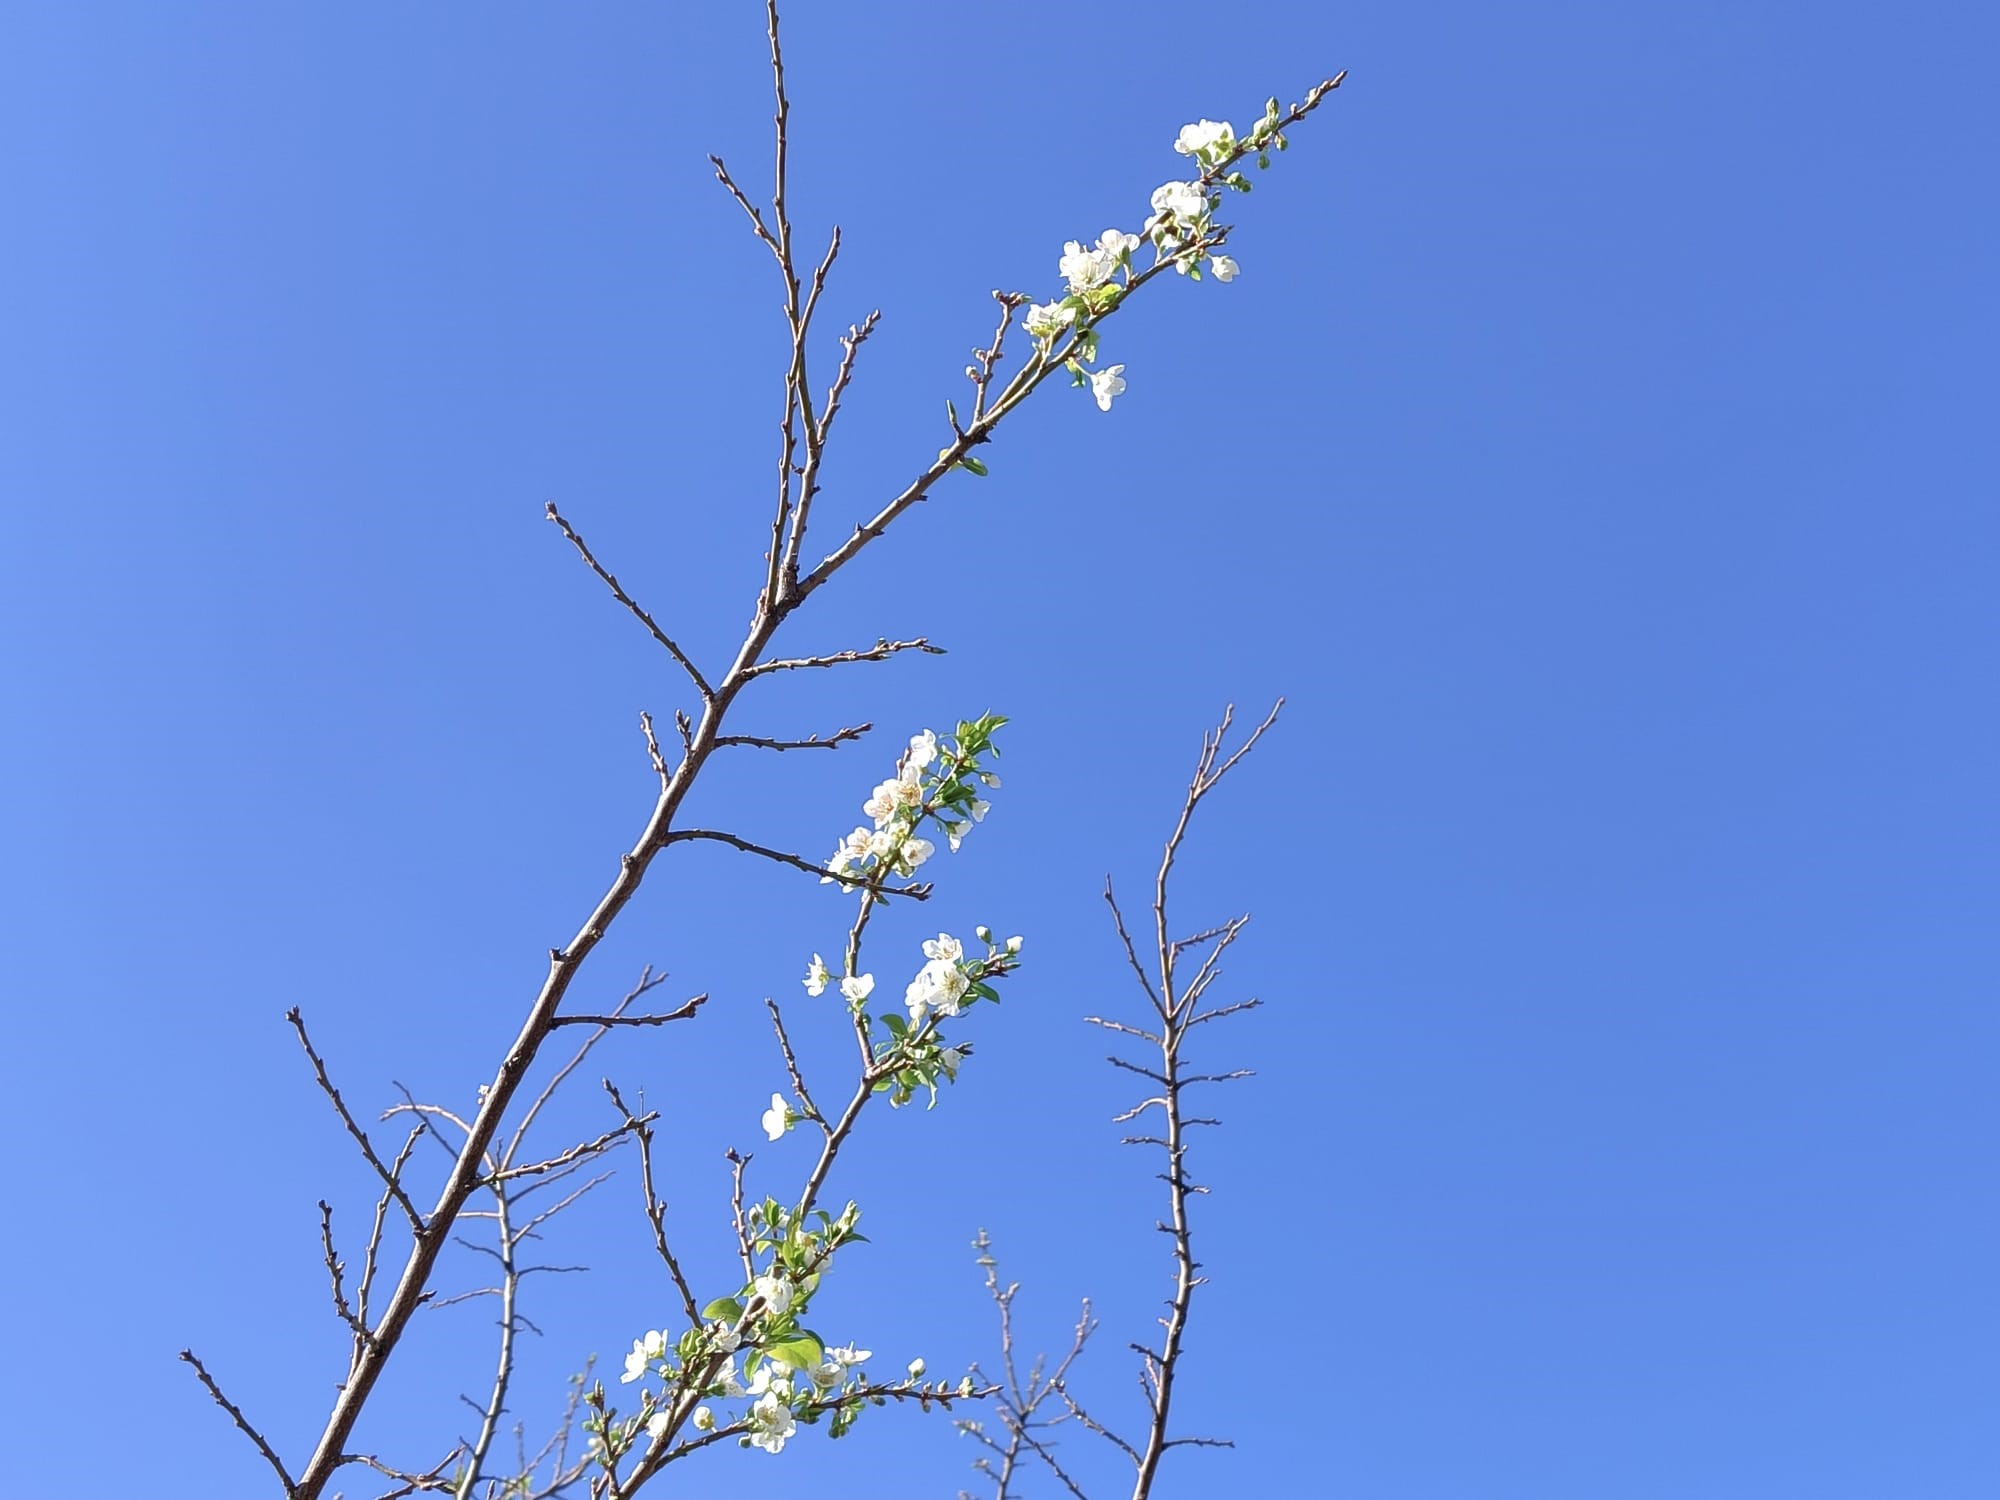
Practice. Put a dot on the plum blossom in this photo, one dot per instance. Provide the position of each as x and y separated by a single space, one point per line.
849 1356
771 1422
644 1352
915 851
1115 243
944 946
1205 136
1177 206
1224 267
917 1368
1085 268
939 986
704 1419
923 749
857 987
1048 319
1107 383
892 796
817 975
778 1118
777 1295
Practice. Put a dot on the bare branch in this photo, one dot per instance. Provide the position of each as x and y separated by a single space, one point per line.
618 593
811 742
389 1180
656 1211
682 1013
792 1064
236 1415
336 1271
882 650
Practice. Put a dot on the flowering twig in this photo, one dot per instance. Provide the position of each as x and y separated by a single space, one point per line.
916 892
804 433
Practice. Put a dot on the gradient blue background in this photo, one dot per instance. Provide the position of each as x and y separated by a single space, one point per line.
1597 448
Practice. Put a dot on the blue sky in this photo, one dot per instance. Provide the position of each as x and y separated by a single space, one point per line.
1596 450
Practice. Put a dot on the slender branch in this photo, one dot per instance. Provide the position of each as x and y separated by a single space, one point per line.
389 1181
656 1210
916 892
811 742
618 593
792 1064
880 651
236 1415
336 1271
681 1013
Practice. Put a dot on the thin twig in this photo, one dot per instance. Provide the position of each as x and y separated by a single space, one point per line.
882 650
389 1181
811 742
618 593
236 1415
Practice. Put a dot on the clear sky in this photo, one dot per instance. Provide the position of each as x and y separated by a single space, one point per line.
1597 449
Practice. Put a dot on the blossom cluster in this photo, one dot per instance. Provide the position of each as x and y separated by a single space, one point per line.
1183 232
787 1376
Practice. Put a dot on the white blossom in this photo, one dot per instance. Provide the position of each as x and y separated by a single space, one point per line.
644 1352
658 1422
771 1422
915 851
704 1419
1105 384
1116 243
979 809
724 1337
892 796
848 1355
1048 319
778 1118
923 749
1224 267
944 946
1085 268
1177 206
917 1368
939 986
990 779
816 972
949 1058
1013 945
857 987
776 1292
1204 135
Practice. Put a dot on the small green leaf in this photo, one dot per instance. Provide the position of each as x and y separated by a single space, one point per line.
972 465
723 1310
803 1352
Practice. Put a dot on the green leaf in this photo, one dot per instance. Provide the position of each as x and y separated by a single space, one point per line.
972 465
723 1310
803 1352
